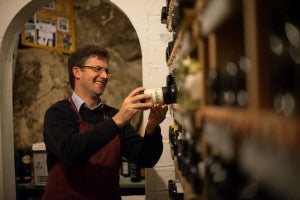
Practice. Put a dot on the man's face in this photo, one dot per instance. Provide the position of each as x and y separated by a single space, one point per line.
92 81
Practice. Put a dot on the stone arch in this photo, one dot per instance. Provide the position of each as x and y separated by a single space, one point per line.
19 12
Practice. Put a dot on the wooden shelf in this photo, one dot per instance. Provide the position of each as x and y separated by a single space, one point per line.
266 126
175 48
169 17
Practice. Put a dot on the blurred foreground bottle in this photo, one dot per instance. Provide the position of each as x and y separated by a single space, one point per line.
189 80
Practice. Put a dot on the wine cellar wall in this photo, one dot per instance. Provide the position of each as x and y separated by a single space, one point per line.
235 66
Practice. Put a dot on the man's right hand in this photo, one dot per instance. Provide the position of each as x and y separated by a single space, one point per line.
131 105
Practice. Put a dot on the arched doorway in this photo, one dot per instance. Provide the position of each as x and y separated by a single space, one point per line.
18 17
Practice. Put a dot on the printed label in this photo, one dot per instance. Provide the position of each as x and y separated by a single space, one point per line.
156 95
26 159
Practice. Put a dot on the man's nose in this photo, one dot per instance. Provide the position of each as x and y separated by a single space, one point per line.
104 75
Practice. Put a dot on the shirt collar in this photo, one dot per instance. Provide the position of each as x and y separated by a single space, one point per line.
79 102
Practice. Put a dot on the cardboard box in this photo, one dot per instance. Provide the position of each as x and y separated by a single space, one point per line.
40 164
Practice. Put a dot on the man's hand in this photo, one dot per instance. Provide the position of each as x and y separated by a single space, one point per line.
130 106
157 115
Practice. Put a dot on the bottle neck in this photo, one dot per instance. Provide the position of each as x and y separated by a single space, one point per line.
169 94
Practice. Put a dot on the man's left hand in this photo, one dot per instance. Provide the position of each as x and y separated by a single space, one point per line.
157 115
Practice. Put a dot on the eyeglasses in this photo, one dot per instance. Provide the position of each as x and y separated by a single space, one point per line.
98 69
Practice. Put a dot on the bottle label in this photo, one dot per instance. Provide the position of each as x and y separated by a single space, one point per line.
26 159
125 168
156 95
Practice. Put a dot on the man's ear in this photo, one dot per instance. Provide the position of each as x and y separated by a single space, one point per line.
76 72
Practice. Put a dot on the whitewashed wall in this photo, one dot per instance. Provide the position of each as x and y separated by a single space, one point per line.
153 36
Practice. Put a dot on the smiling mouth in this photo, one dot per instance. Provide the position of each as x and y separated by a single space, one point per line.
100 83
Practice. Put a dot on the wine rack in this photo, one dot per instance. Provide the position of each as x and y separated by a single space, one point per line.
236 131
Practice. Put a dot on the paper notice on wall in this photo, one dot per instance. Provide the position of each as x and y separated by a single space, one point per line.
46 33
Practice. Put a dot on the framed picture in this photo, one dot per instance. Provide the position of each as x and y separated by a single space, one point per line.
51 27
63 24
30 32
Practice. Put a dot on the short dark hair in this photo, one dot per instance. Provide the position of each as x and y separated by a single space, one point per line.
80 56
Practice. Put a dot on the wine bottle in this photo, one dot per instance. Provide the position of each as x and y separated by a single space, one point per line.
169 50
135 175
176 18
175 142
163 95
142 172
242 93
177 15
125 168
170 134
189 79
230 83
179 192
195 173
175 190
284 51
213 87
170 79
180 150
170 187
26 166
164 15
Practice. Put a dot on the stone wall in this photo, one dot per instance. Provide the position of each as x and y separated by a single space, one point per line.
41 76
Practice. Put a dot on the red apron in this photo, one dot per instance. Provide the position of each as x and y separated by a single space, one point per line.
98 178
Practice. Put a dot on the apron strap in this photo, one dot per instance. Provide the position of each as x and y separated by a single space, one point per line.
75 109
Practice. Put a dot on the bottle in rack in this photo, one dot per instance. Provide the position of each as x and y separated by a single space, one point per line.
180 149
168 4
244 66
175 142
175 190
284 46
196 170
173 134
163 95
169 50
178 14
227 85
170 79
213 87
176 18
164 15
189 80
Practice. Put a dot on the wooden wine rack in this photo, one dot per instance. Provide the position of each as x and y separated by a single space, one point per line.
222 31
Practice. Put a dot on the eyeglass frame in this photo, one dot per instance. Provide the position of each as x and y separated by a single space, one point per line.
97 69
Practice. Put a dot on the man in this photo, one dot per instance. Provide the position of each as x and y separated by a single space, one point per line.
85 139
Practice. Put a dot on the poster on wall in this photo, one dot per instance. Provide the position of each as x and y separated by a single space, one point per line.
51 27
